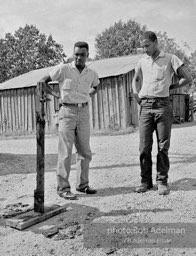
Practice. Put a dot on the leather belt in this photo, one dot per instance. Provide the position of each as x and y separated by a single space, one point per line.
79 105
155 99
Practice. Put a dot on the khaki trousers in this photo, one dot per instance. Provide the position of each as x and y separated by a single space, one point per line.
74 128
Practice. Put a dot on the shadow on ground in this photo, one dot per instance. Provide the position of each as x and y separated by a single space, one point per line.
24 164
182 158
182 125
72 221
185 184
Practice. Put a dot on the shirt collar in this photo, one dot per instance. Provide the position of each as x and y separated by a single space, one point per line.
161 54
74 66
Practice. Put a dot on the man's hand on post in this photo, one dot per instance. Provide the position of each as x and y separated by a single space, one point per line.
49 90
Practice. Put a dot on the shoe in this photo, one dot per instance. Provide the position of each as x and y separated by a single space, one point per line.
143 188
68 195
87 190
163 189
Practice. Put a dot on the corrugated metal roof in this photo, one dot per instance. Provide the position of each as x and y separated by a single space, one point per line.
104 68
115 66
26 80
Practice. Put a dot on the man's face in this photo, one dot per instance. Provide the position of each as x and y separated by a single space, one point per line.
80 56
149 46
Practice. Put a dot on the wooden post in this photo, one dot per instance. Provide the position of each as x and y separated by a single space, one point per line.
40 212
40 136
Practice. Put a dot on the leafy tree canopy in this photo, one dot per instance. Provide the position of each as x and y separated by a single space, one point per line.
119 40
27 49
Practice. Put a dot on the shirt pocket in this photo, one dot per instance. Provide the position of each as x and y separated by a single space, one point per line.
159 73
68 84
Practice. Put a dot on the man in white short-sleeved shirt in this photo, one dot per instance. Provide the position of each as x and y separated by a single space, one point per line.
151 84
77 83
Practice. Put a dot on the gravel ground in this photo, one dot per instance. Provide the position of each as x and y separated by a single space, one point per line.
115 172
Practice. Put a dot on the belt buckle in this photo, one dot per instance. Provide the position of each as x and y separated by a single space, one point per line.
80 105
152 100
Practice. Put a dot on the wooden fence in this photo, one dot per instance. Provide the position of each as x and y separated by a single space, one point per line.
182 107
113 107
17 112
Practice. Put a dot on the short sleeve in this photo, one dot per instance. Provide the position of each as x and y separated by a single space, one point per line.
56 74
138 68
176 63
96 81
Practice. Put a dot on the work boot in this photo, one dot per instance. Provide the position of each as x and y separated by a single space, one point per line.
143 187
87 190
163 189
68 195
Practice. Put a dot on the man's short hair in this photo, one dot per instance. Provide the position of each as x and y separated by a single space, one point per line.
149 35
81 45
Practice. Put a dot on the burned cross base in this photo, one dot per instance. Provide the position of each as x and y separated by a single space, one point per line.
40 212
40 138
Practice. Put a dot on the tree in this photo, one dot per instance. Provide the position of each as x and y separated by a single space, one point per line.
169 45
26 50
118 40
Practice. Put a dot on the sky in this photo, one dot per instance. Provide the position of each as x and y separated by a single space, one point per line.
69 21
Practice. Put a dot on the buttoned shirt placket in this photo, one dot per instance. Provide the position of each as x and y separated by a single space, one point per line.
79 76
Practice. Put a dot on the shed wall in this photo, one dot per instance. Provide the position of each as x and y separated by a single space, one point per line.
113 107
17 112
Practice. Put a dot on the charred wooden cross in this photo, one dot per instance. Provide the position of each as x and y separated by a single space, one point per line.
41 99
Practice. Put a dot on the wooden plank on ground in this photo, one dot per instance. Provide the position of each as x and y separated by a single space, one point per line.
31 218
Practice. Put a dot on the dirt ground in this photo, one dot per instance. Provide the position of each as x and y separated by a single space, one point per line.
115 172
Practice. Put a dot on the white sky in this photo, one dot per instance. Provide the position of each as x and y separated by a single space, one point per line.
73 20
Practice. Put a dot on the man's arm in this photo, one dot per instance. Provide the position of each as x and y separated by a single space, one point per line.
185 78
136 86
47 87
94 87
93 91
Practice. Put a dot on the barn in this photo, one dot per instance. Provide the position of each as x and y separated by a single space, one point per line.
113 107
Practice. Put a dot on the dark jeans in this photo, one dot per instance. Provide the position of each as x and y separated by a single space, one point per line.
155 115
